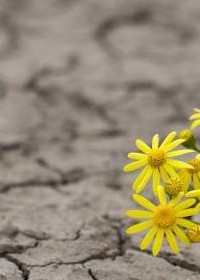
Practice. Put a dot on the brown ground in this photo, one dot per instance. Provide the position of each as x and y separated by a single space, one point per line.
79 80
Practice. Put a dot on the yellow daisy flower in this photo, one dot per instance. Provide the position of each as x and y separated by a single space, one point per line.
193 233
188 175
195 118
173 186
164 220
156 160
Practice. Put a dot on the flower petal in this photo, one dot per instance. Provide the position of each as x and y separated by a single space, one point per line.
142 146
194 193
170 137
181 235
179 153
174 144
170 170
195 116
134 165
174 201
158 241
136 156
139 214
197 110
145 180
161 195
172 241
195 124
164 174
184 222
179 164
144 202
140 177
155 141
196 181
148 237
187 212
139 227
184 204
156 180
185 177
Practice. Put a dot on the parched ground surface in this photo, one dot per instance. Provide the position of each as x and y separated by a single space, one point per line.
79 80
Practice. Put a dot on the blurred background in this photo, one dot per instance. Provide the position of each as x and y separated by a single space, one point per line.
79 81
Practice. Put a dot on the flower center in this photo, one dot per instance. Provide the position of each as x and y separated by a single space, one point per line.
196 164
194 233
173 186
164 216
156 158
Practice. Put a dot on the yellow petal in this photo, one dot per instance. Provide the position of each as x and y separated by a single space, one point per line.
144 202
184 222
156 181
179 164
197 110
136 156
198 156
134 165
139 214
195 116
155 141
185 177
172 241
195 124
139 227
148 238
179 153
181 235
173 144
198 207
168 139
145 180
164 174
187 212
194 193
158 241
161 195
142 146
140 177
174 201
185 204
170 170
196 181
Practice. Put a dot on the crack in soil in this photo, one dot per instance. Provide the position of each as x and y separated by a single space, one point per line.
141 16
91 274
24 270
73 176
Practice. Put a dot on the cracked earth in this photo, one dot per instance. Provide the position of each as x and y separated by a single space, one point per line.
79 80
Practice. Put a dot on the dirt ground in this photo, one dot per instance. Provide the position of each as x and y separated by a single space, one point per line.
79 81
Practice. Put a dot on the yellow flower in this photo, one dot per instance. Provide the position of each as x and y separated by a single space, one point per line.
163 220
193 233
156 160
173 186
195 118
193 175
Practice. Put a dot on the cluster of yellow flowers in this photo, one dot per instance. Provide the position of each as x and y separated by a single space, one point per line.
175 185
